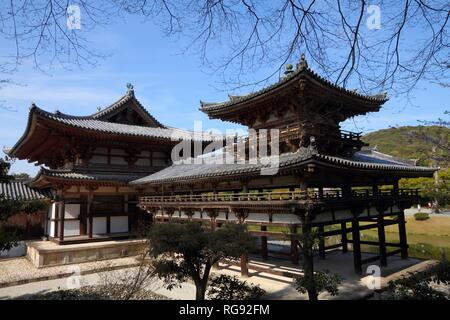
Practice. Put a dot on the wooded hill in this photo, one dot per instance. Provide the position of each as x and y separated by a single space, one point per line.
404 142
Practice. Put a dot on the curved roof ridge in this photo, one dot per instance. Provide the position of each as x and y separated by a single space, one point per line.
57 113
113 106
302 69
129 96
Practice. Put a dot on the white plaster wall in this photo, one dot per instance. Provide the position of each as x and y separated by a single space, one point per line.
118 160
72 210
99 225
144 153
258 217
285 218
118 151
143 162
71 228
99 159
158 162
119 224
100 150
51 215
197 215
17 251
221 216
158 154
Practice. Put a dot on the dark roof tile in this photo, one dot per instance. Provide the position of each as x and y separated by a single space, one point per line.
17 190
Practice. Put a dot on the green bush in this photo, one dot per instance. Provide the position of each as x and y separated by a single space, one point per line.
420 216
322 281
225 287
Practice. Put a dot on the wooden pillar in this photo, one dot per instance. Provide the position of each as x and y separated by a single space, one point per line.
321 243
320 192
395 187
344 239
108 224
83 215
62 209
294 245
382 240
264 251
375 189
46 230
356 246
126 211
55 228
89 211
346 191
402 235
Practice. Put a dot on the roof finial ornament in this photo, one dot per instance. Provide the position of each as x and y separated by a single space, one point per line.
312 145
289 69
130 90
303 64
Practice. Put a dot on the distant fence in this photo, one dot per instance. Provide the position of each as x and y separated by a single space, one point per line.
27 226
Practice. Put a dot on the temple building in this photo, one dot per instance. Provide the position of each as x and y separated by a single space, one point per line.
111 172
88 162
324 177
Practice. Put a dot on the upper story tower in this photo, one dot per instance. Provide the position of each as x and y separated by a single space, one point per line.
301 105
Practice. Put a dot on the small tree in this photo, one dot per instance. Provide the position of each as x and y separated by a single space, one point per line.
188 251
312 282
321 281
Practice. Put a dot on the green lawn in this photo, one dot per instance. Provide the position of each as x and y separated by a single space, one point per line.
425 238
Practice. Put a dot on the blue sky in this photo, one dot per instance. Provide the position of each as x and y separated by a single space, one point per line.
168 83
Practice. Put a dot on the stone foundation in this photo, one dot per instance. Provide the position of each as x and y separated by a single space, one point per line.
47 253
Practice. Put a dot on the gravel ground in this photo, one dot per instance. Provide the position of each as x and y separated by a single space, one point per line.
20 269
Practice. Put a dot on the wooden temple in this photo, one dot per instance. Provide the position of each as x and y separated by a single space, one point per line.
325 184
88 162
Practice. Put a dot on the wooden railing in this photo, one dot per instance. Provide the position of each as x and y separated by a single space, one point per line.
348 135
328 195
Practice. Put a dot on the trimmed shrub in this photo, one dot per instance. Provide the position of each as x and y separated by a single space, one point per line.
421 216
225 287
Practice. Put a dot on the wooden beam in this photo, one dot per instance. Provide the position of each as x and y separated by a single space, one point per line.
402 235
344 239
55 228
264 252
321 243
62 209
89 211
382 241
356 246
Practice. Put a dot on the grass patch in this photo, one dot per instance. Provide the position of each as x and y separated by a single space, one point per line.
426 238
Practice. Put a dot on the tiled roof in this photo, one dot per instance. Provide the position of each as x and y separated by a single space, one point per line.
179 172
364 161
95 123
125 129
79 175
19 191
122 101
302 71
